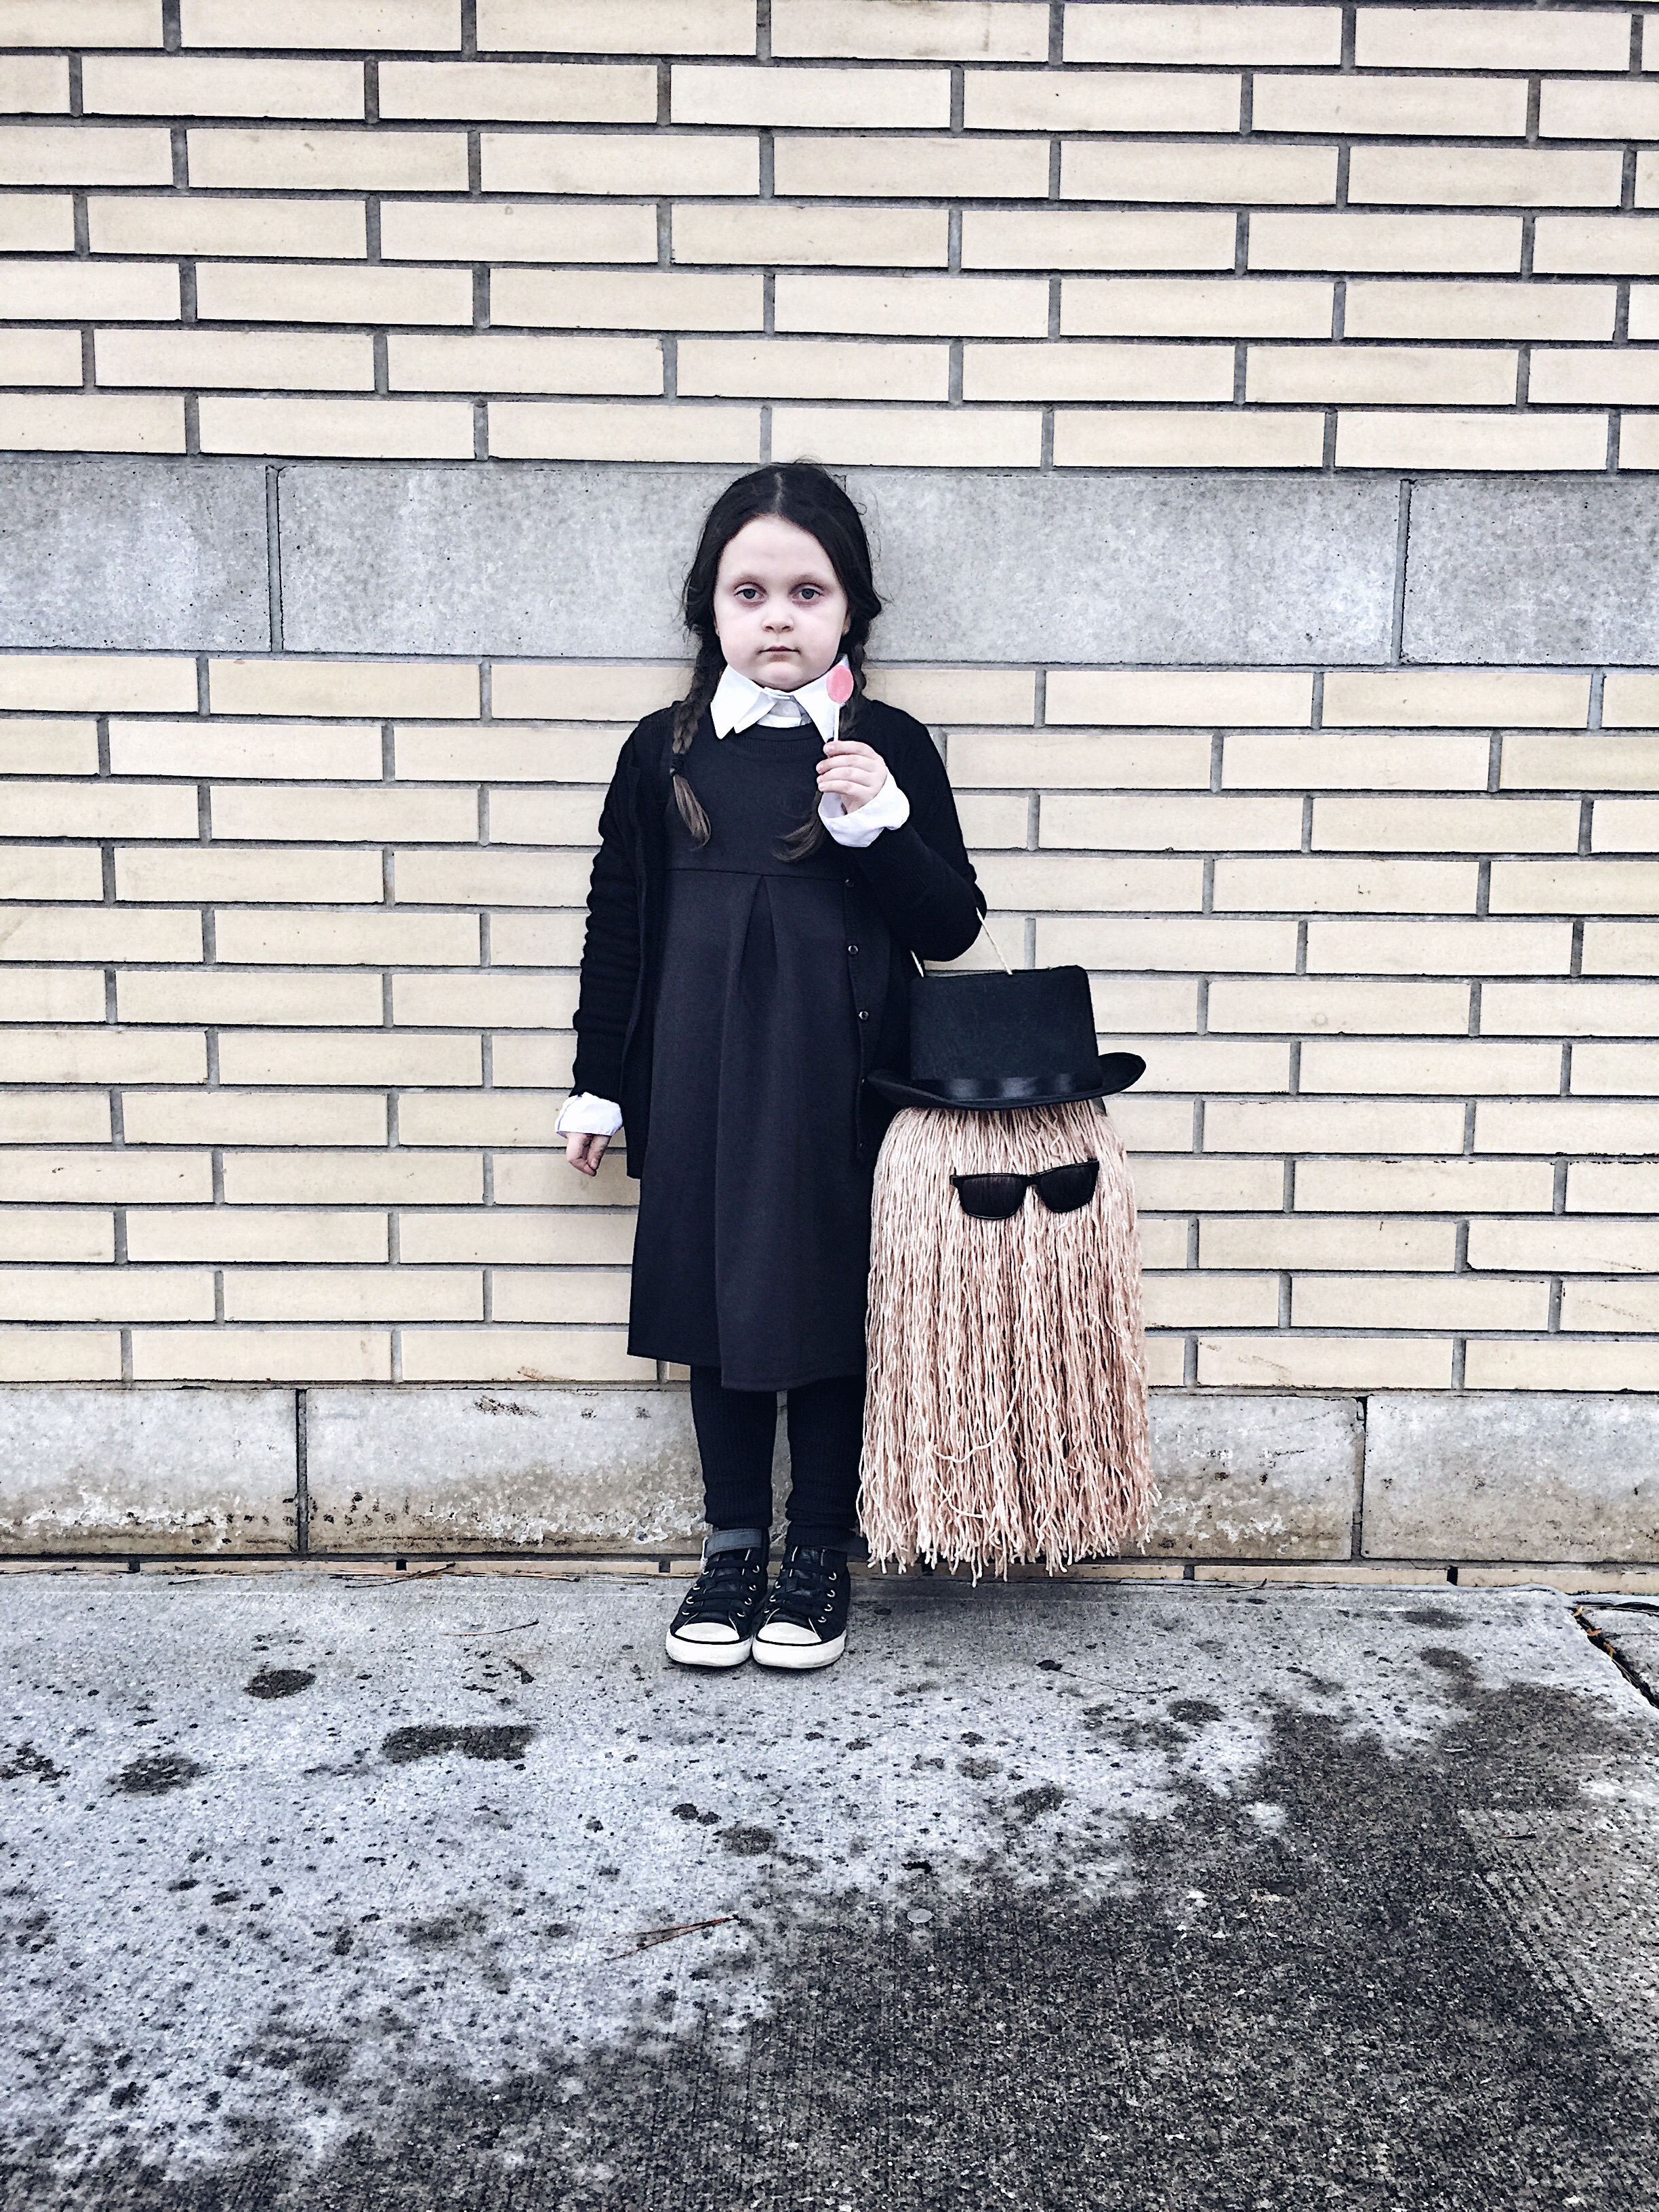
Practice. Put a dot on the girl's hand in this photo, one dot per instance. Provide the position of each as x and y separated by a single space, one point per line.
856 772
584 1151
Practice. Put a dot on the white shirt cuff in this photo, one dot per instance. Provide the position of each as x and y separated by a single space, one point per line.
889 810
585 1116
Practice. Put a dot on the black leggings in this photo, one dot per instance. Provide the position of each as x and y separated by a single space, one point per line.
736 1431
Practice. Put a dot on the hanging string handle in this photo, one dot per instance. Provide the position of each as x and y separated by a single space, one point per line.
985 927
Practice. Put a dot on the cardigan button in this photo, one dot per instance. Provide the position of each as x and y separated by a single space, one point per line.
863 1017
852 948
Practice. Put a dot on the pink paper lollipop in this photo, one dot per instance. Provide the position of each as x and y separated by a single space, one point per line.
839 683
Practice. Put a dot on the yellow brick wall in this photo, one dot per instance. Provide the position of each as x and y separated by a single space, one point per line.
288 945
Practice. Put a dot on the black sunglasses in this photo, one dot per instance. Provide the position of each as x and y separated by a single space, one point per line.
999 1197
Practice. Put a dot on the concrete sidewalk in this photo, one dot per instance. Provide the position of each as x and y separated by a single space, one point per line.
341 1892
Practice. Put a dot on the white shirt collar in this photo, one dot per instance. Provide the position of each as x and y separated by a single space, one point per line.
738 703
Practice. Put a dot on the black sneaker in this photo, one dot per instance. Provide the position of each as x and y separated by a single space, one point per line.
715 1623
805 1623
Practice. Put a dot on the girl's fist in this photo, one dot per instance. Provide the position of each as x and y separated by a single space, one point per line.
854 772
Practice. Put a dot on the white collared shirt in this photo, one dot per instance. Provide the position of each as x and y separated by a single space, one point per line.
739 704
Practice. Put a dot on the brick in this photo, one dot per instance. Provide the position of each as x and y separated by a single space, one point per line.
380 688
499 753
1371 374
914 306
51 994
957 437
544 1062
34 84
1438 948
1554 1245
426 26
1179 695
213 995
354 1294
1081 371
1638 448
521 1355
1112 822
84 423
483 1001
1297 761
243 292
1454 698
1455 1186
535 940
1491 38
1207 1064
1419 1302
430 230
1191 1300
53 1294
247 1117
354 938
262 229
1306 885
648 300
496 361
492 1233
103 934
1615 1070
72 1178
1574 887
1053 760
29 747
52 873
897 30
1431 243
477 1117
1621 948
1156 306
252 359
1289 1240
1624 825
261 1355
1479 311
1468 1065
1565 1125
59 1355
106 1055
625 27
1167 438
259 750
403 1177
1144 1005
1627 701
1319 1125
1444 825
63 809
1301 1006
203 873
1630 110
821 98
1154 1125
1052 100
536 430
1483 176
1205 946
52 1234
1077 238
547 1179
1596 245
1182 1184
534 1294
803 367
1402 106
179 85
1239 175
555 690
1195 34
1615 1306
385 815
88 291
83 153
1326 1363
86 23
520 92
811 236
1612 1187
958 694
544 817
64 1117
1613 376
312 1056
658 163
369 161
1036 881
35 224
1647 180
845 168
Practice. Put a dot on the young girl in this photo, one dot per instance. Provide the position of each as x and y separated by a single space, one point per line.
770 861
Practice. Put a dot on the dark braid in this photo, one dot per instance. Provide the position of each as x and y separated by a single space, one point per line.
807 495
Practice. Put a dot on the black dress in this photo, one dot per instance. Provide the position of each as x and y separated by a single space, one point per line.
752 1247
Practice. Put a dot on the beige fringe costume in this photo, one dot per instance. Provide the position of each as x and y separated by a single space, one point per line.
1007 1415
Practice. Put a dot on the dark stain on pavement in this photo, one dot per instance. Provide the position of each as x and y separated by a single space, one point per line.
27 1760
156 1773
280 1682
476 1739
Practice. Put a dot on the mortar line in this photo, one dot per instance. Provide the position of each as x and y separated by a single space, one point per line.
301 1473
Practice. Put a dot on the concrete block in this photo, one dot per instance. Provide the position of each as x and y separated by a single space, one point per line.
1511 1475
1533 570
1253 1476
133 555
123 1470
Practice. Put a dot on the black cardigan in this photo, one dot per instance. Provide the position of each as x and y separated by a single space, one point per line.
917 879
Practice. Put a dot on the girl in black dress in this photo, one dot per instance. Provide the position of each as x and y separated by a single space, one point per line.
776 852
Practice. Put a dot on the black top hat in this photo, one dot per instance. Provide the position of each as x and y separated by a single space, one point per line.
985 1042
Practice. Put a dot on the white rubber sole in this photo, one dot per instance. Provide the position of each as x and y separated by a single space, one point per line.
688 1653
797 1657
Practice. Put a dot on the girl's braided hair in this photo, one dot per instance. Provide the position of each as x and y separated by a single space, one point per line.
808 496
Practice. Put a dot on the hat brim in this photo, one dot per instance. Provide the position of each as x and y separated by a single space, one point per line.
1118 1070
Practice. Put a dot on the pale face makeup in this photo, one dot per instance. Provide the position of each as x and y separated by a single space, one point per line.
779 607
